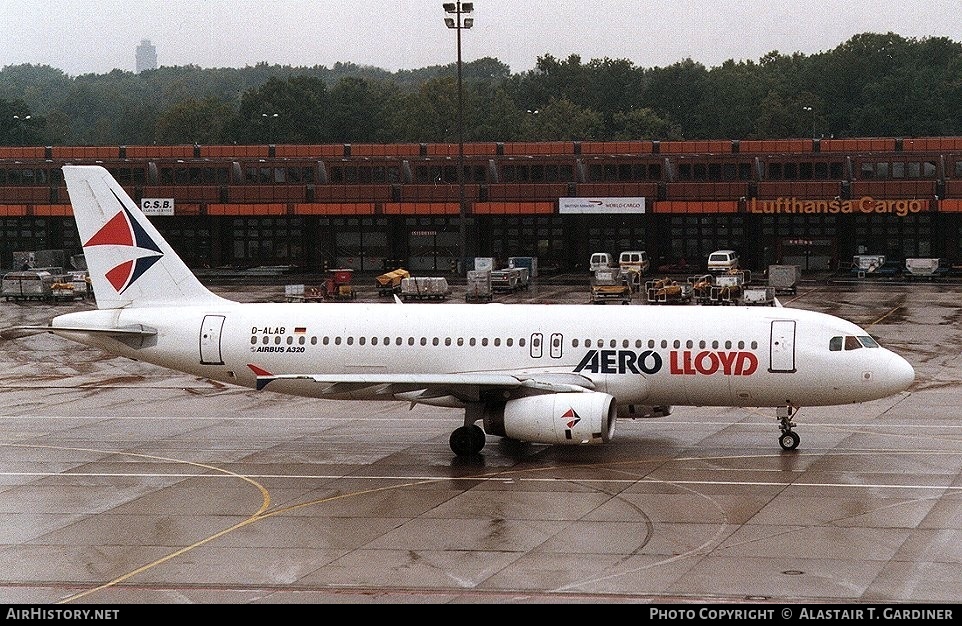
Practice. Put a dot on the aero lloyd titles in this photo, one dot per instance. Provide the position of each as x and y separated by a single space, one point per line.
864 205
684 362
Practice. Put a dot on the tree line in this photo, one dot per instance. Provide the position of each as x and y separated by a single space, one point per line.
871 85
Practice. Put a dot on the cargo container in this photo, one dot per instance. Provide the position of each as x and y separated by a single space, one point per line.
928 268
784 278
529 262
425 288
478 286
28 285
389 283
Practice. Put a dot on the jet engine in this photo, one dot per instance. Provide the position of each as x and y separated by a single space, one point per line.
557 418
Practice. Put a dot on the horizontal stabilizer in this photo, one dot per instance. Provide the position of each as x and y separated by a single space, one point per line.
16 332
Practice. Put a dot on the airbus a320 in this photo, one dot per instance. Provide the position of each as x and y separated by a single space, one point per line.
543 373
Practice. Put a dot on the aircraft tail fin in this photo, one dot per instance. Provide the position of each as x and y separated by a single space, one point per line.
129 263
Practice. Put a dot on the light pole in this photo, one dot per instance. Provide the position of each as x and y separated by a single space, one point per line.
458 9
271 120
22 121
812 111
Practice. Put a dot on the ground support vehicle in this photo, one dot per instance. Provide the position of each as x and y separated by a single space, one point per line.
389 283
727 289
337 285
667 291
478 286
722 261
701 288
609 285
758 295
784 278
425 288
510 279
864 265
926 268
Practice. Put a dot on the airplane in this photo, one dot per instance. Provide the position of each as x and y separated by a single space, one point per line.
559 374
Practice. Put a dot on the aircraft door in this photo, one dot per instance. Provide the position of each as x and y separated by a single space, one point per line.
782 348
210 332
537 349
556 346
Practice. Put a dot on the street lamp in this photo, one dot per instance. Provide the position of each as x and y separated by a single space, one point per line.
457 23
22 121
270 119
810 109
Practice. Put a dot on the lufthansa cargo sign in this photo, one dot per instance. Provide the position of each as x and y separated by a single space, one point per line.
157 206
866 205
601 205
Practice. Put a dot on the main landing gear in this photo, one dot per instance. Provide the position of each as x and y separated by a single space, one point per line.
467 440
789 439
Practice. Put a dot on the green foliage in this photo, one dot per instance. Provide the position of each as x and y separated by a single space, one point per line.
871 85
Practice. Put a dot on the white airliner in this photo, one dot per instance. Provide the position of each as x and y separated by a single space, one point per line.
549 373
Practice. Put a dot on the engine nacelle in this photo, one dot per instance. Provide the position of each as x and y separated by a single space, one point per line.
642 411
556 418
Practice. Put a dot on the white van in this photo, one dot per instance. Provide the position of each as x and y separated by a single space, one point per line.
634 261
600 261
721 261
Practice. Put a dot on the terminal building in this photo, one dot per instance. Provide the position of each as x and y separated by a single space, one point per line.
374 207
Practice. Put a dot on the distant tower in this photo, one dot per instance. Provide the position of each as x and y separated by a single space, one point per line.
146 56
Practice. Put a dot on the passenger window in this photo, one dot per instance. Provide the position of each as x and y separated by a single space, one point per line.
497 341
290 340
447 341
471 342
484 341
851 343
521 342
410 341
574 343
424 341
835 344
360 340
350 341
434 341
337 341
510 342
460 341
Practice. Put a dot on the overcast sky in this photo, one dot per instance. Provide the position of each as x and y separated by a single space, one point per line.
83 36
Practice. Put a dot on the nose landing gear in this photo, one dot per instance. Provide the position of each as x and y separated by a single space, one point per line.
789 439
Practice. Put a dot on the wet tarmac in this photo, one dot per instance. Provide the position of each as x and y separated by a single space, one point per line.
124 483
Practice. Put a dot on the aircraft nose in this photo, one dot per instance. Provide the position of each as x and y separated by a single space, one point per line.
901 374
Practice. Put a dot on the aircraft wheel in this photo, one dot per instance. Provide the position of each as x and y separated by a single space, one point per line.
467 440
789 440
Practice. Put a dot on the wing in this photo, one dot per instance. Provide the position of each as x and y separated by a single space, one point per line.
454 390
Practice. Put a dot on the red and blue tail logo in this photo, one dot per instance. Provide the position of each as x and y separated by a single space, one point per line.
123 230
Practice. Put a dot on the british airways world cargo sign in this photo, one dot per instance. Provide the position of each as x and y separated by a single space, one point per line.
601 205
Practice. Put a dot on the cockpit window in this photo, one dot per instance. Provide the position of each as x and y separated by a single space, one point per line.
851 342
